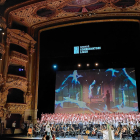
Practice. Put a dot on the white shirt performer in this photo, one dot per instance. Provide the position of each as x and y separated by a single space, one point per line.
48 128
13 127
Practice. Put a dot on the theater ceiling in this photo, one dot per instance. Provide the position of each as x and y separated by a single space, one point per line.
39 14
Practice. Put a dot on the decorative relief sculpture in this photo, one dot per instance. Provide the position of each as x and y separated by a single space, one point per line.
16 107
14 81
2 50
20 38
44 12
28 101
1 112
18 58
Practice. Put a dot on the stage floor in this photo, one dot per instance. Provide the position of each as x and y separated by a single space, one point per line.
58 138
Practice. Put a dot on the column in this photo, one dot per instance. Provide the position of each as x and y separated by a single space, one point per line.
29 95
30 52
2 51
6 61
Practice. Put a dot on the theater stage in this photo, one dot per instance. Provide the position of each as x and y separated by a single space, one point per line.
58 138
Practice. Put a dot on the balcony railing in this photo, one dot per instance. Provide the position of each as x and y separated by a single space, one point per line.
18 55
15 77
16 107
14 81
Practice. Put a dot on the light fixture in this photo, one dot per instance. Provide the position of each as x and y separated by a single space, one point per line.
79 65
87 65
96 64
3 33
54 66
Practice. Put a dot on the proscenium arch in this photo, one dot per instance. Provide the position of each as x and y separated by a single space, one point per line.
65 25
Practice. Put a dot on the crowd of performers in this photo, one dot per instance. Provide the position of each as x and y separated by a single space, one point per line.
88 124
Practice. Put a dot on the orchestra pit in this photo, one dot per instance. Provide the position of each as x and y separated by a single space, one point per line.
69 69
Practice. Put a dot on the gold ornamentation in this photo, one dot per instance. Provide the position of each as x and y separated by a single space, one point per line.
3 22
29 12
32 50
3 97
2 50
1 111
1 80
18 58
28 100
14 81
19 38
16 107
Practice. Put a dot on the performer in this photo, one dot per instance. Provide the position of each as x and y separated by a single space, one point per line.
35 130
100 130
64 130
109 131
123 131
88 130
42 130
72 130
57 130
53 130
13 127
93 131
30 131
77 130
47 129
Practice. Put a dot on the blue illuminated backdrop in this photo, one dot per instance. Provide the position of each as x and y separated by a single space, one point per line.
85 91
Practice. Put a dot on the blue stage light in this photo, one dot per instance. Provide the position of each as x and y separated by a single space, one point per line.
54 66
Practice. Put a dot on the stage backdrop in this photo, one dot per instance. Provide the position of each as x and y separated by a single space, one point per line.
96 90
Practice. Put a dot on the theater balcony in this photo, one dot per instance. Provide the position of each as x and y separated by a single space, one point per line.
14 81
16 108
18 58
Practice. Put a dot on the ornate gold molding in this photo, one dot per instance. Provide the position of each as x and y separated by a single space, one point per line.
16 107
2 50
27 15
85 22
3 97
14 81
18 58
1 79
28 100
1 112
20 38
3 22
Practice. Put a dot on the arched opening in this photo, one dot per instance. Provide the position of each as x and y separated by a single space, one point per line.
16 70
14 47
15 96
14 117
